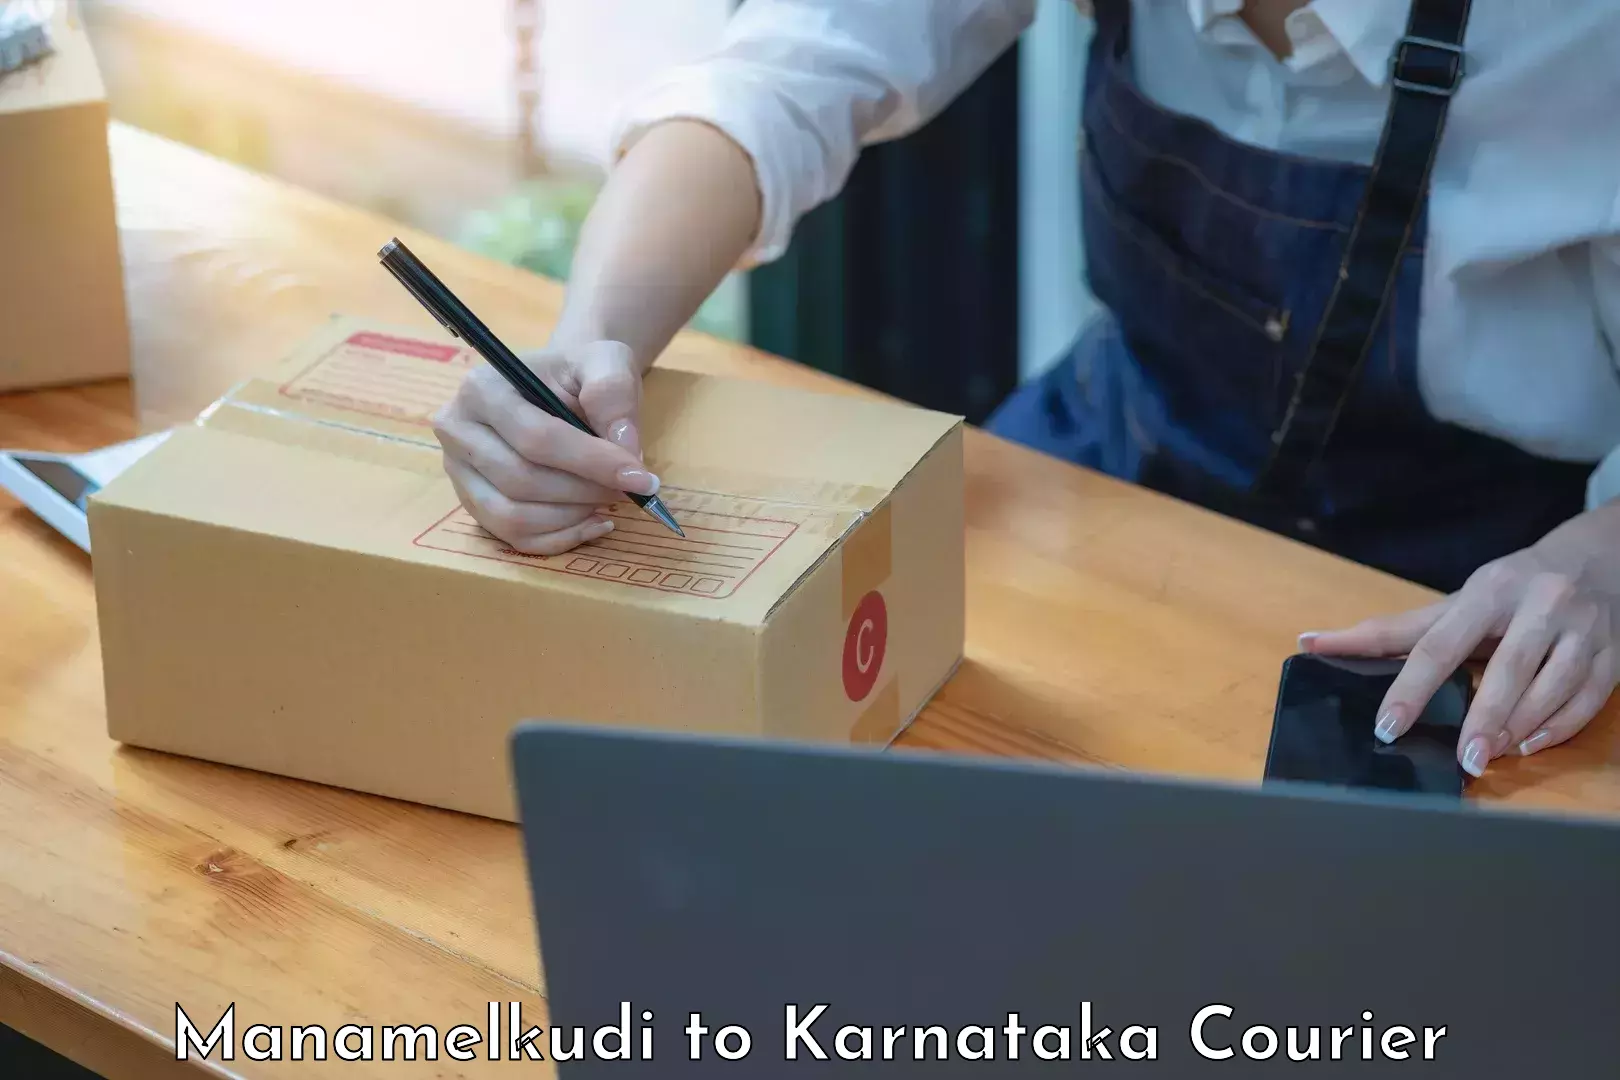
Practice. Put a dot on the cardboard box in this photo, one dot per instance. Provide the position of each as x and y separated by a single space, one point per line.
290 584
61 277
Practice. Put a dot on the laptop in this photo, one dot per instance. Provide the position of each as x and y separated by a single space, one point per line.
840 911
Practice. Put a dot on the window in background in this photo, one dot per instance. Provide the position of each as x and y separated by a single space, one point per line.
592 56
1053 300
412 108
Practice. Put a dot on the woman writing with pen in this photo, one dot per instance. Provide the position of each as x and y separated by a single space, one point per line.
1360 262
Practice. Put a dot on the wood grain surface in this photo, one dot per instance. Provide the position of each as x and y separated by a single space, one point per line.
1107 627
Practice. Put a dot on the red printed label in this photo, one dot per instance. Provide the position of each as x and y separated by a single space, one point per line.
865 642
718 553
381 375
426 350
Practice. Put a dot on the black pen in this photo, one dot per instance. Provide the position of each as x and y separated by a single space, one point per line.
455 317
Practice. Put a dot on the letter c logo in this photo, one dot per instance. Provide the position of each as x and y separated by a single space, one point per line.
863 660
865 643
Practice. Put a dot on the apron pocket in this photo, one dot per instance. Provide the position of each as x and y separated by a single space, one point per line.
1216 351
1099 202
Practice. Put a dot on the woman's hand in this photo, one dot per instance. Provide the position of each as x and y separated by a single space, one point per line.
537 482
677 213
1545 617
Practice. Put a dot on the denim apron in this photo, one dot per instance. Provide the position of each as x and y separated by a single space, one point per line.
1259 352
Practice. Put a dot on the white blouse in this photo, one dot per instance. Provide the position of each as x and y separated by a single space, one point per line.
1521 303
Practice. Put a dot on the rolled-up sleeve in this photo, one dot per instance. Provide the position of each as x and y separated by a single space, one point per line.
1604 487
803 85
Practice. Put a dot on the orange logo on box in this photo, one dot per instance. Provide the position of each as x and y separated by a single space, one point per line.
865 642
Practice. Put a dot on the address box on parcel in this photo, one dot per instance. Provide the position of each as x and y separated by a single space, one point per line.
290 585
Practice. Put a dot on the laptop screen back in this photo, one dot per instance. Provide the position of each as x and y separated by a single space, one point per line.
750 884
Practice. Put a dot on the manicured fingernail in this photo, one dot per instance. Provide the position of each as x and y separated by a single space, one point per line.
1389 726
638 482
599 528
1307 640
1475 757
1534 743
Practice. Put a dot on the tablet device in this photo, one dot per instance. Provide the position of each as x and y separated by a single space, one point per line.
1322 731
57 487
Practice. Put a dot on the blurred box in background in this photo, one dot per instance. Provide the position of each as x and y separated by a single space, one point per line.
24 36
483 122
62 311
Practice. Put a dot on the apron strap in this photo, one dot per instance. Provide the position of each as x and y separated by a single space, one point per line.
1426 69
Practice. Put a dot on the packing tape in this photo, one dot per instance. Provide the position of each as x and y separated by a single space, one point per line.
259 409
872 726
880 721
775 489
305 432
818 508
273 401
867 557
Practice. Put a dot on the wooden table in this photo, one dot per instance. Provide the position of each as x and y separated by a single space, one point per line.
1106 626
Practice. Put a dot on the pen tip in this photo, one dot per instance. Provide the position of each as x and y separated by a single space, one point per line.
658 510
388 248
